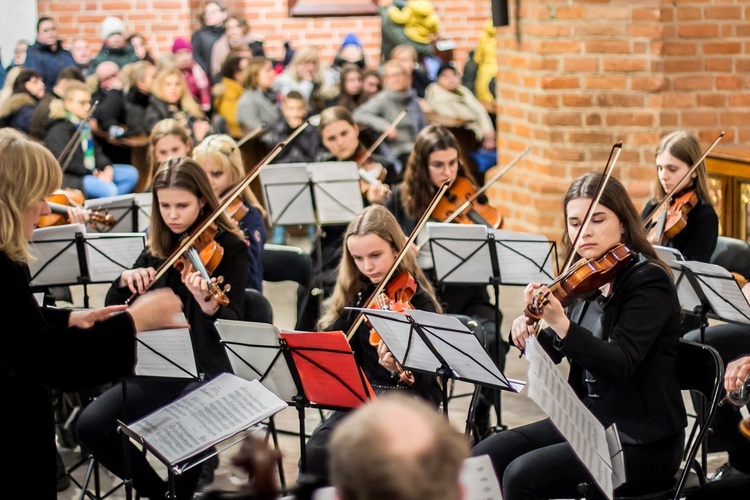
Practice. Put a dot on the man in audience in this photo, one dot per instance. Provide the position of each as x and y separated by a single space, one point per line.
47 54
397 448
40 118
82 55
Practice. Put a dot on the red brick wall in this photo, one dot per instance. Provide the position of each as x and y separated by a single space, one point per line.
161 21
588 73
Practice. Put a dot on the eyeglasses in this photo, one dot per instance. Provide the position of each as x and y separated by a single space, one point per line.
109 77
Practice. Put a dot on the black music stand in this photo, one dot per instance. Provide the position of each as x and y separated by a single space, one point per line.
131 211
319 194
437 344
68 255
463 254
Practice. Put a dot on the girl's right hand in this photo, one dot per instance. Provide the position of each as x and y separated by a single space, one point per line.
138 279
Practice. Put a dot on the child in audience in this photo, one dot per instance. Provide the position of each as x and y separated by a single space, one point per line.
197 80
168 139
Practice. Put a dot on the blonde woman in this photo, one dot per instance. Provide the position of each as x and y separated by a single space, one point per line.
168 139
307 75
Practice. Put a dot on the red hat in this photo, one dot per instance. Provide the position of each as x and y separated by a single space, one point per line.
181 44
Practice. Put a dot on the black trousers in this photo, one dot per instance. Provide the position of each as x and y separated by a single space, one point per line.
535 462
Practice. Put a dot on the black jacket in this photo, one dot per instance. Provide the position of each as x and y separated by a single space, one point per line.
136 103
203 41
59 133
698 240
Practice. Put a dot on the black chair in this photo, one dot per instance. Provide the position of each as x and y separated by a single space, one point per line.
700 371
289 263
733 255
257 307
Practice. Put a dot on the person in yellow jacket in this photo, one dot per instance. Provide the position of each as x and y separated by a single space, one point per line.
412 21
485 56
227 93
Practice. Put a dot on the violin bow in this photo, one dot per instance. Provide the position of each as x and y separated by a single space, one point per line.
653 214
188 241
382 137
75 139
486 186
400 257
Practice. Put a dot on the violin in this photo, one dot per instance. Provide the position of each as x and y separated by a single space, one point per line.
204 256
237 210
584 276
62 199
478 213
674 220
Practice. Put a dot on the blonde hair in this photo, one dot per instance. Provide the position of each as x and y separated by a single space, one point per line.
378 220
163 128
222 151
187 102
249 78
133 73
307 53
28 173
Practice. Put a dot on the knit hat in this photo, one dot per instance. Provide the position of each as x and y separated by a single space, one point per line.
351 39
181 44
112 25
446 66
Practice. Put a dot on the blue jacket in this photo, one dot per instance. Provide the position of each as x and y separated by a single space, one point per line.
47 62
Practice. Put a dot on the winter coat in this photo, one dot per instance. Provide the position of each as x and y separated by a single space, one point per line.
227 95
17 111
48 62
121 57
461 105
486 58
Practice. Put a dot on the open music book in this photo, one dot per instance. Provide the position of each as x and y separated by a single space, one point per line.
223 407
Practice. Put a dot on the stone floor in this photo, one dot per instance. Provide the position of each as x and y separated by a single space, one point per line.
517 409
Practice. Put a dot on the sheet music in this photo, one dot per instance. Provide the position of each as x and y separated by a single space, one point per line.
722 291
126 209
255 354
668 254
460 253
287 194
111 254
216 411
175 345
549 389
338 195
524 257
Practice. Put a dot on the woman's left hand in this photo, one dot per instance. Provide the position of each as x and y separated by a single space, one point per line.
554 313
198 286
87 318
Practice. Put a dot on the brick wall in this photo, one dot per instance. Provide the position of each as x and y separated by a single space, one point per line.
585 74
161 21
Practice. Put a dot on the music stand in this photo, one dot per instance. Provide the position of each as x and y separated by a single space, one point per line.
68 255
320 366
437 344
464 253
323 193
131 211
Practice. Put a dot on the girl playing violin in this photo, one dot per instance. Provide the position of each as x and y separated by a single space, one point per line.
372 242
182 198
221 159
675 154
54 349
434 161
621 342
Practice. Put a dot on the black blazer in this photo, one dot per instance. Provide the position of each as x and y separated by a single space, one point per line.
698 240
635 363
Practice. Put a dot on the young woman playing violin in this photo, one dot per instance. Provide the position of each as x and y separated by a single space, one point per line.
182 198
699 224
621 341
372 243
53 349
221 159
433 161
340 136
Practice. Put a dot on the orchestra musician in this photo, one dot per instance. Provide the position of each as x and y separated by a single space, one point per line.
53 349
433 161
182 199
371 245
340 136
621 341
675 154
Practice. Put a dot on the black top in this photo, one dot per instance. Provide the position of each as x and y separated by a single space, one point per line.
698 240
633 359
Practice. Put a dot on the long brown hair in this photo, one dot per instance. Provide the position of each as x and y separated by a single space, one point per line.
615 198
378 220
686 148
417 190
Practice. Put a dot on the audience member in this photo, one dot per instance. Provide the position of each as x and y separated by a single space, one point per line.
227 93
168 139
114 45
170 98
47 55
17 111
421 24
407 56
82 55
196 79
237 40
40 118
19 53
351 52
307 75
138 42
447 97
212 28
137 80
351 87
398 448
86 167
304 147
110 112
383 108
485 56
10 80
372 83
259 103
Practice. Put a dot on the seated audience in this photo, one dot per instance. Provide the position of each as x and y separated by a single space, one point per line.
237 40
407 56
196 79
259 103
227 93
47 54
351 88
137 81
307 75
114 45
372 83
28 90
304 147
39 119
82 55
86 168
138 42
110 110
